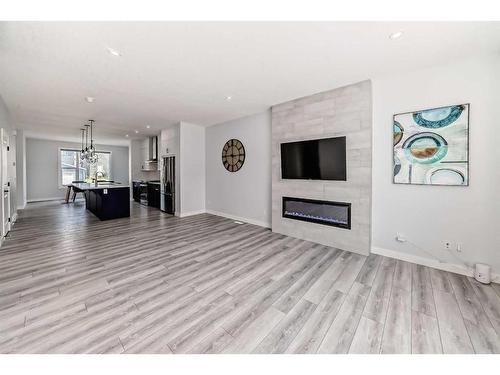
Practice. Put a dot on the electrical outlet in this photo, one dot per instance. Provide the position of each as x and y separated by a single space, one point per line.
459 247
400 237
447 245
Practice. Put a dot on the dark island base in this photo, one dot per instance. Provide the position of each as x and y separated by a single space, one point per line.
108 204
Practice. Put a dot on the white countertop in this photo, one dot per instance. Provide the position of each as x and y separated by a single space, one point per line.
86 186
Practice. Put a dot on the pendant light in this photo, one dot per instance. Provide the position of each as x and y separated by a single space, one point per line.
82 151
91 136
92 154
85 151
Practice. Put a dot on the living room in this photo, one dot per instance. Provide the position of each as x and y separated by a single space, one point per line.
250 187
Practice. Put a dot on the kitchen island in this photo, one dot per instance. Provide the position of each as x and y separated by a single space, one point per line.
106 201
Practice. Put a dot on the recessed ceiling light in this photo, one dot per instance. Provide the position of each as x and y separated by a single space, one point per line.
126 135
147 126
228 98
136 131
89 99
114 52
396 35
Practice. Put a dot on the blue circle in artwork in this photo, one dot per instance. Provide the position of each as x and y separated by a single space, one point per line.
438 117
425 148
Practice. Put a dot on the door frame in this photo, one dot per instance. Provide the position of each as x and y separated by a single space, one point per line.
4 182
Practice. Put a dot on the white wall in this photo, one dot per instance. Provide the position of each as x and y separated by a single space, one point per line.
192 169
137 159
430 215
21 168
42 167
12 171
245 194
5 121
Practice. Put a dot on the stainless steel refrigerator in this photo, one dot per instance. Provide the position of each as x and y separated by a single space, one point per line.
167 178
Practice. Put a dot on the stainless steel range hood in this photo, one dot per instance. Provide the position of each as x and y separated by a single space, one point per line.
153 149
151 163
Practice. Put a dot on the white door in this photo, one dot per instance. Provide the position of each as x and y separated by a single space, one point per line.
6 212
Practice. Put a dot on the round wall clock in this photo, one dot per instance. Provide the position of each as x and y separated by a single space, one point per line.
233 155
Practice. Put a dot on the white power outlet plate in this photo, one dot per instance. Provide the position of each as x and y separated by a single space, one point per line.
400 237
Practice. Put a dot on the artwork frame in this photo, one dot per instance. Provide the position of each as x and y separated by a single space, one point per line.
431 146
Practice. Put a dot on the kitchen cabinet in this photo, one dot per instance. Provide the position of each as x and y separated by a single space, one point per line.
136 191
154 194
106 201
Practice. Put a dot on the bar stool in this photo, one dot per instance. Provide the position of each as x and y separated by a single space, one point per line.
75 190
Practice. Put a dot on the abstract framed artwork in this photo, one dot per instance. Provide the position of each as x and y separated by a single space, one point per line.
431 147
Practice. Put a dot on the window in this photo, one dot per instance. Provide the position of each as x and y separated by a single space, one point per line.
71 168
102 167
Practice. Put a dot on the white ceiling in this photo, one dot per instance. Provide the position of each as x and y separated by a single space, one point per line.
172 71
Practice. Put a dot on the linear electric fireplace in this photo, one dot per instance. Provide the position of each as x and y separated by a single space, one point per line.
337 214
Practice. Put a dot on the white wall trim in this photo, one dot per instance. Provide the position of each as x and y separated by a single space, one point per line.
14 217
191 213
45 199
440 265
21 207
239 218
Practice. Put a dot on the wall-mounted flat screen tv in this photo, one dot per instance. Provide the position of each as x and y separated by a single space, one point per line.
317 159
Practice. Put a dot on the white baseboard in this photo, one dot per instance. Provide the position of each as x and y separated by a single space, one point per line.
21 207
45 199
239 218
191 213
444 266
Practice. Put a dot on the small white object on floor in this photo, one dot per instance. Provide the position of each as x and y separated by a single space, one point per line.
238 222
482 273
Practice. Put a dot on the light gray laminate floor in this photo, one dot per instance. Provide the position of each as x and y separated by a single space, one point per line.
153 283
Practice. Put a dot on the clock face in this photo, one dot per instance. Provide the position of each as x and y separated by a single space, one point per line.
233 155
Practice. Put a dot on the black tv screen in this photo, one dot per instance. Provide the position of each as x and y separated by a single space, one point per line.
317 159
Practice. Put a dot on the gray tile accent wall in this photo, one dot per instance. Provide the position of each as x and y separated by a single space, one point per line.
346 111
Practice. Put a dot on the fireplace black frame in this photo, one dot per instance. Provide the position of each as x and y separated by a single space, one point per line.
312 220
